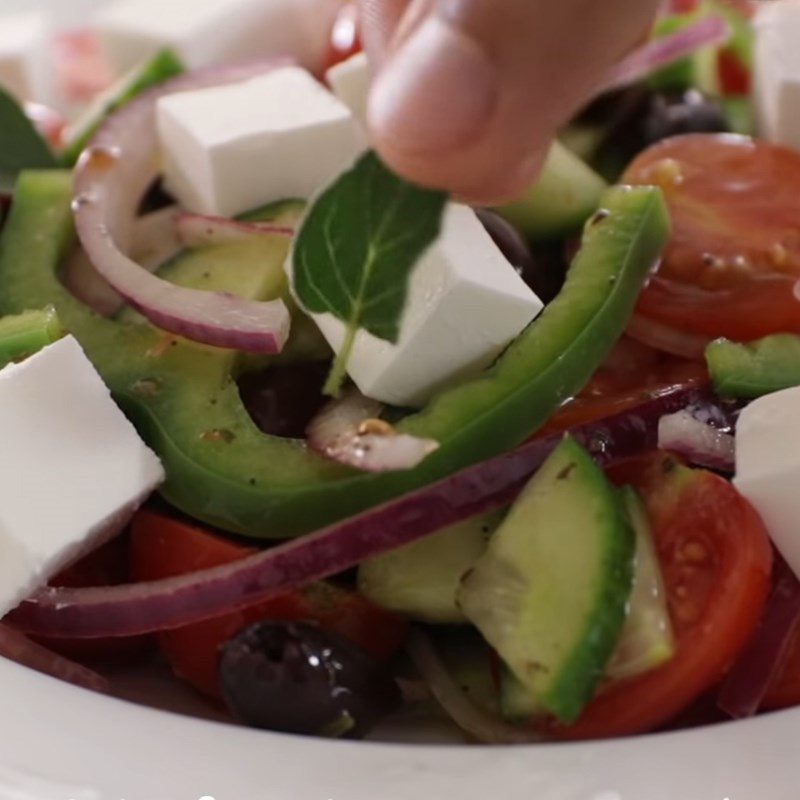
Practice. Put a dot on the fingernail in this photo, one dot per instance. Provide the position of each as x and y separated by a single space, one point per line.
438 90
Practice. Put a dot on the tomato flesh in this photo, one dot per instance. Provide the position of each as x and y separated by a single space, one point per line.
732 265
162 546
716 561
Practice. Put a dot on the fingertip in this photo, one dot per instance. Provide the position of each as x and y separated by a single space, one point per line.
469 177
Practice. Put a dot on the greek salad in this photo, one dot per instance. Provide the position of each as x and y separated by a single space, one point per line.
336 447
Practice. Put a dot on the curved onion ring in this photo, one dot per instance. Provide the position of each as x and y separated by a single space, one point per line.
203 230
348 431
743 691
701 444
668 49
20 649
472 719
174 602
667 340
154 242
112 176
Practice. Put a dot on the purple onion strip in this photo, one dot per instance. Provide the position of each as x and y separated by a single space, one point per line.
174 602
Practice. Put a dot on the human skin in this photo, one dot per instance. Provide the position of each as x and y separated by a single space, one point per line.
469 93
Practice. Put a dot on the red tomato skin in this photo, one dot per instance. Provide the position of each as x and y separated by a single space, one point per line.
732 265
163 546
716 562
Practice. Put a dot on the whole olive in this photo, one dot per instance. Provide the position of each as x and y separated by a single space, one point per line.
296 677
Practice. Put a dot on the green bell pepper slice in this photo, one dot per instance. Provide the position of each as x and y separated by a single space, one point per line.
222 470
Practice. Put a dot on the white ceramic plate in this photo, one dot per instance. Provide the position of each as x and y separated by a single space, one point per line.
61 743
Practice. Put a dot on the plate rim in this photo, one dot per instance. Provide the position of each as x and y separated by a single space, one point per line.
88 739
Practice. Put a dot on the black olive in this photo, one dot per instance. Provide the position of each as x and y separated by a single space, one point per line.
299 678
539 273
282 400
507 238
689 112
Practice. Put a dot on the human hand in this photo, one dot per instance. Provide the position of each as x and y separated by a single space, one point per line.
469 93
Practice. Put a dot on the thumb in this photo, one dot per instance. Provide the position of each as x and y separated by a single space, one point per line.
472 91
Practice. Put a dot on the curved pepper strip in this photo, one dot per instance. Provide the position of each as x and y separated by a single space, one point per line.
221 469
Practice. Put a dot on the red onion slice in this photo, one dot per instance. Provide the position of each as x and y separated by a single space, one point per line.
700 443
155 241
174 602
202 230
747 683
668 49
19 648
480 724
348 430
667 340
111 177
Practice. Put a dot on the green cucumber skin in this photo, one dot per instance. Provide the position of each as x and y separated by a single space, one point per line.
566 194
420 580
563 688
749 371
648 613
263 487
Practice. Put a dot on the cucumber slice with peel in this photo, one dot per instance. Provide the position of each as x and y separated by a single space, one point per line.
646 640
421 580
550 593
566 194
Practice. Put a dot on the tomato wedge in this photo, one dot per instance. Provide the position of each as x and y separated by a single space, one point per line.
632 374
716 561
733 263
163 546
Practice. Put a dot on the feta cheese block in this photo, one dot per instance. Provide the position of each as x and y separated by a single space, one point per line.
73 468
350 81
777 72
208 32
24 59
230 149
768 467
466 304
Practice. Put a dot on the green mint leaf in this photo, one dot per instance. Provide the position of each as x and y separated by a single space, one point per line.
356 249
21 145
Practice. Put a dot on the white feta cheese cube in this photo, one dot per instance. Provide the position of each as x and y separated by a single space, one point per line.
768 467
230 149
73 469
466 304
24 61
350 82
207 32
777 72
